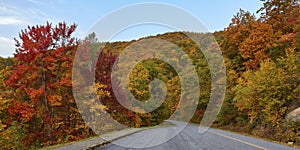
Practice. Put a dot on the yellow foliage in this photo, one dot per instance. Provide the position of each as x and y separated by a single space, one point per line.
3 103
263 93
102 93
55 100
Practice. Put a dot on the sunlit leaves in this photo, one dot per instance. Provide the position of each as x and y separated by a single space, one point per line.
139 82
255 47
266 93
41 77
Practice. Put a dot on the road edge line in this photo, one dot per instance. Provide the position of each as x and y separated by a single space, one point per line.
238 140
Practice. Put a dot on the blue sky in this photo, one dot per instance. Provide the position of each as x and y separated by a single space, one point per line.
18 14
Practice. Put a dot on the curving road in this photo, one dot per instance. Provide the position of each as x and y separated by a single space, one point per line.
190 139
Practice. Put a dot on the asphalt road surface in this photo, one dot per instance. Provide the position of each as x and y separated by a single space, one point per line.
190 139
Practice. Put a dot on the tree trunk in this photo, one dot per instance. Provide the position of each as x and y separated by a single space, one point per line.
48 125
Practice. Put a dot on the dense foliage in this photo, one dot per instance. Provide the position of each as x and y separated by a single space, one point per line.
263 71
37 107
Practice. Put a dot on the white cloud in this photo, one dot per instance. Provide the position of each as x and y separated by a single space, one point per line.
8 10
7 46
17 15
7 20
14 18
4 39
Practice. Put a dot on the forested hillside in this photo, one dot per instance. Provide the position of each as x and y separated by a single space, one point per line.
262 56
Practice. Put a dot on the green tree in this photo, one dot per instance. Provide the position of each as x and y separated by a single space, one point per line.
266 93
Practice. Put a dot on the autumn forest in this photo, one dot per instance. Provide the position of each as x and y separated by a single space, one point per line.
261 54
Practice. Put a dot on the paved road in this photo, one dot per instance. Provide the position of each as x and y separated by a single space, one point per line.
190 139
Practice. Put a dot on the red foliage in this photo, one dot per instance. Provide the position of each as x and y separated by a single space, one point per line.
103 71
41 77
23 110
